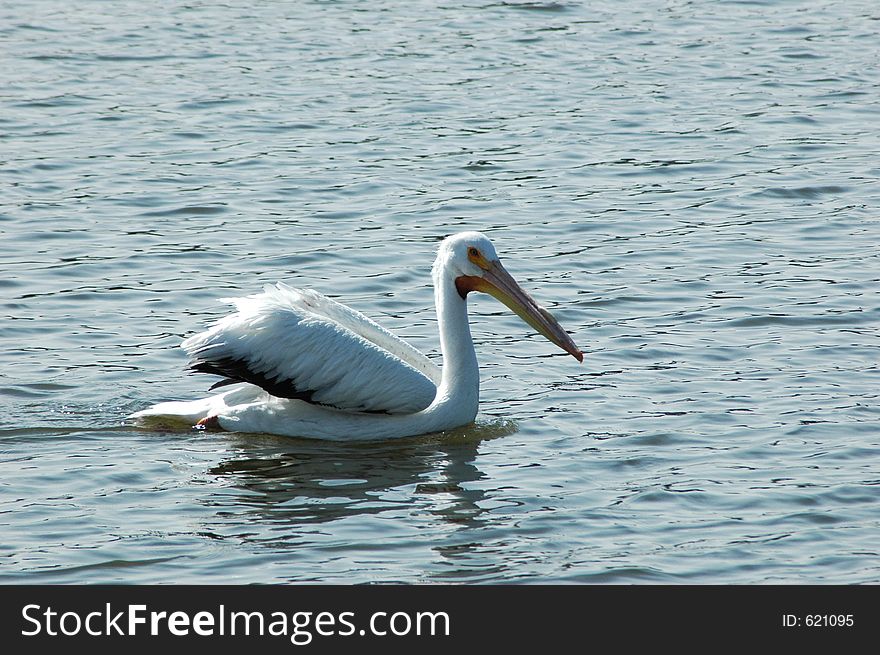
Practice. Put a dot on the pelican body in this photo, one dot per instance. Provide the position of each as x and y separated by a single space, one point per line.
303 365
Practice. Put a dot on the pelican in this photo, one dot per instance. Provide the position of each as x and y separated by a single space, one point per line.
303 365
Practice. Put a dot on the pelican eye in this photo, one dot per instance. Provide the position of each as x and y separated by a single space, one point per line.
477 257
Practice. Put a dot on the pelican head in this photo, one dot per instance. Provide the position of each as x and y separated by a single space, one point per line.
472 261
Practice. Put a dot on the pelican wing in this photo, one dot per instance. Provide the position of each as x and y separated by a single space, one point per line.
297 343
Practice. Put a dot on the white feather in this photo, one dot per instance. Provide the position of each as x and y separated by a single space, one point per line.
344 359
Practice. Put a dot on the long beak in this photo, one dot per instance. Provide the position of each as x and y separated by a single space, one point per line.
497 282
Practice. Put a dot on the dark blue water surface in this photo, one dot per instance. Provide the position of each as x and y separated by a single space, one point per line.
692 188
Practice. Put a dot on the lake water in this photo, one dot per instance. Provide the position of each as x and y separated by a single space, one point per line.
692 188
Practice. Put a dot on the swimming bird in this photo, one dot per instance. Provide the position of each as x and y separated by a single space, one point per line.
304 365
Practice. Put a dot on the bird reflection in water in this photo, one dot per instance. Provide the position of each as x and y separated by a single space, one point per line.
318 482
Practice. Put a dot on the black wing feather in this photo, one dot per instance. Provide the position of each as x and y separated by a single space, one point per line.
237 370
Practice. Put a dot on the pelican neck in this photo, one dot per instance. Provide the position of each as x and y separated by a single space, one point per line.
460 381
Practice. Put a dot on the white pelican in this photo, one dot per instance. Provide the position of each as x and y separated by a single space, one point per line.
304 365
